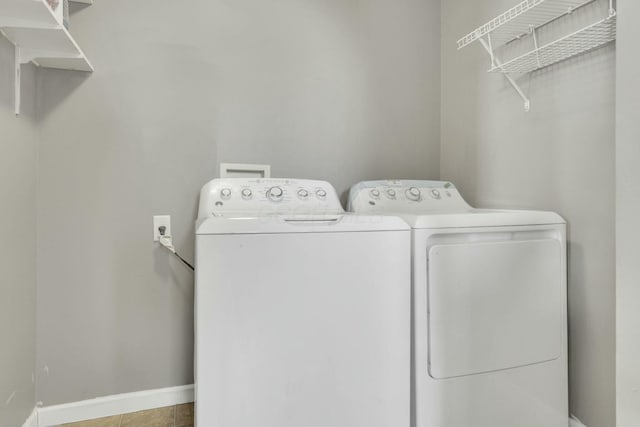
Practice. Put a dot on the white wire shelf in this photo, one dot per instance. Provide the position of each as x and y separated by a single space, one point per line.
582 41
519 20
523 23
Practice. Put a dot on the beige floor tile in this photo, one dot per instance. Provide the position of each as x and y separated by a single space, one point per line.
100 422
161 417
184 415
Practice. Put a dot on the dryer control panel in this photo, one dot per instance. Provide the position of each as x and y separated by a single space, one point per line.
266 196
406 196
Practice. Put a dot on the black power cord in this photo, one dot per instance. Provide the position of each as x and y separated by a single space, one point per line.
184 261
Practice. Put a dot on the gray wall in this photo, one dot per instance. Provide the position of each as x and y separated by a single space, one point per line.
328 89
559 157
18 145
628 212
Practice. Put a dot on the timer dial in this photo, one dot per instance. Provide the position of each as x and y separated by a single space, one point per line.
275 194
413 193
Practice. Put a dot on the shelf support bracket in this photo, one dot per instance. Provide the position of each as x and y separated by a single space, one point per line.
17 81
490 49
535 45
497 63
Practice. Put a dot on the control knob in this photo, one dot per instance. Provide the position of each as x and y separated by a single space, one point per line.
275 194
321 193
246 193
303 194
391 193
225 193
413 194
375 193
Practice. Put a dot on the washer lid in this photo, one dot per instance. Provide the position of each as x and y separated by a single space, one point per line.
299 223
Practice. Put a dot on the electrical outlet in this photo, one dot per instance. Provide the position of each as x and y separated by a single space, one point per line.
159 221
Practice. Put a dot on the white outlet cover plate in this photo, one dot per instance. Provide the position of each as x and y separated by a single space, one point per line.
159 221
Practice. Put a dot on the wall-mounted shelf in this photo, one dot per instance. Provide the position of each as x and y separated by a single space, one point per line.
584 40
40 38
524 20
517 21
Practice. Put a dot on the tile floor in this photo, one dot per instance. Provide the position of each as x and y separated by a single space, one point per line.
171 416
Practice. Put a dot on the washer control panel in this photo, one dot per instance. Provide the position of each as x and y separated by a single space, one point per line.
231 196
406 196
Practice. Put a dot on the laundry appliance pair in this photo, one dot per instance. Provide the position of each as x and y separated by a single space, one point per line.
412 310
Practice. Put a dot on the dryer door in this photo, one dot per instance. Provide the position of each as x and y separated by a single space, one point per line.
494 306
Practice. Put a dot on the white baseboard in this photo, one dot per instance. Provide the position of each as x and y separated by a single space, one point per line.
32 421
113 405
574 422
49 416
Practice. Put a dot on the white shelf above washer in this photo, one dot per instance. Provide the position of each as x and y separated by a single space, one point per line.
584 40
40 38
518 21
48 47
33 28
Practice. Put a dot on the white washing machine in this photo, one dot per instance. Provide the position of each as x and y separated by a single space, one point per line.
489 307
302 311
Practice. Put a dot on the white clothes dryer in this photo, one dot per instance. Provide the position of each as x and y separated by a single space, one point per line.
489 307
302 311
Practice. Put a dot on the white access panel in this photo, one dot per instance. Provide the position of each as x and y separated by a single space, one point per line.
494 306
244 170
303 329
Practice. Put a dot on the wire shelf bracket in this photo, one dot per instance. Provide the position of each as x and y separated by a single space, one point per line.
525 19
496 63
